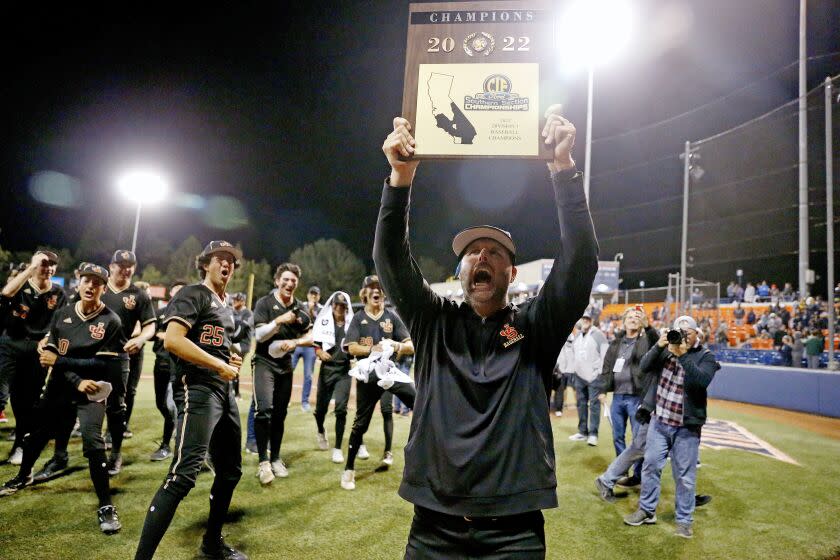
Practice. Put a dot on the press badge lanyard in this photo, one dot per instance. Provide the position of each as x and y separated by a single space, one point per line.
626 351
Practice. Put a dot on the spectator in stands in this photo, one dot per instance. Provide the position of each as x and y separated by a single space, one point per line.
787 292
722 334
739 293
589 346
774 323
775 293
785 315
797 350
730 290
787 351
738 314
749 293
763 291
813 348
779 336
761 324
751 317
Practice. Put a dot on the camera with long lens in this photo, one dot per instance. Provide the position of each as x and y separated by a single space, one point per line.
676 336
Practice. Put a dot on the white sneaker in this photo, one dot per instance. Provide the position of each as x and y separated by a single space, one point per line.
592 440
348 480
558 413
264 473
577 437
388 458
323 443
337 456
16 458
363 453
279 469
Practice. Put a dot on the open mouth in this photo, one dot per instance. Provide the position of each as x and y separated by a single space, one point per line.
225 273
482 276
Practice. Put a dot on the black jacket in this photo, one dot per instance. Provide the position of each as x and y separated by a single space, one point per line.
640 379
481 442
700 367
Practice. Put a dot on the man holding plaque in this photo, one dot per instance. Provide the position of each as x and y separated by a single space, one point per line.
479 463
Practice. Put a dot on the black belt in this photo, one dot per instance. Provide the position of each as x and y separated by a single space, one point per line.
519 520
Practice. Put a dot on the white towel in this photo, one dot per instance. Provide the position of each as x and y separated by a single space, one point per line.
379 364
323 332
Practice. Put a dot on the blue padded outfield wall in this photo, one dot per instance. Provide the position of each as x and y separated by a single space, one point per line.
805 390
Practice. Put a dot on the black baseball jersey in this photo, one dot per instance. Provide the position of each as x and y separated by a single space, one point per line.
210 323
368 330
78 336
157 344
132 304
267 309
339 360
30 311
244 321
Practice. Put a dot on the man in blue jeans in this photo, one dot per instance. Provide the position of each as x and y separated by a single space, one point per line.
312 308
623 376
678 400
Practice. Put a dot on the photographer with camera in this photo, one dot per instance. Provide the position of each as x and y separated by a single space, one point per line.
678 401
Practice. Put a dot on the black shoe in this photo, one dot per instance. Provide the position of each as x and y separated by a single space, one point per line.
109 521
163 452
115 465
52 468
220 550
605 491
701 500
629 481
17 483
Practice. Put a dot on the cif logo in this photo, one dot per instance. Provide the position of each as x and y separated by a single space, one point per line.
498 84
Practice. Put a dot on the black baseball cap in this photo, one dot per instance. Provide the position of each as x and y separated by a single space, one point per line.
314 290
124 257
221 247
90 269
239 296
340 300
370 281
463 239
52 258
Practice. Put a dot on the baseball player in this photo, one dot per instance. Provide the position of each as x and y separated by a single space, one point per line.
29 299
85 355
281 326
367 329
199 324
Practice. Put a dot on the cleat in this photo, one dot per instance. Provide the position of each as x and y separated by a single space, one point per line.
220 550
363 453
115 465
16 458
337 456
279 469
109 521
577 437
264 473
15 484
163 452
323 444
52 468
388 458
701 500
348 480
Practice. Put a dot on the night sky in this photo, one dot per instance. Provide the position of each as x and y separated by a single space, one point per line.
280 116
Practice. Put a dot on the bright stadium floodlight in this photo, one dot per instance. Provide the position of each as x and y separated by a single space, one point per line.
590 33
142 187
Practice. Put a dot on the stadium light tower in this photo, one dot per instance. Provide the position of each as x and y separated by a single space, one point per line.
142 187
591 33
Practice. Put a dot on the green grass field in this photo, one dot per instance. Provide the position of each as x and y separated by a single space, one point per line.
762 508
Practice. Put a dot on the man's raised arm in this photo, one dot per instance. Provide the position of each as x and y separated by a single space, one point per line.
400 276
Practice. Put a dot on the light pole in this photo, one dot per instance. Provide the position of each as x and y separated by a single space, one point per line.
141 187
593 31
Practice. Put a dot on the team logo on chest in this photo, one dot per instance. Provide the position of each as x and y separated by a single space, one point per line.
97 331
130 302
22 311
511 335
52 301
387 326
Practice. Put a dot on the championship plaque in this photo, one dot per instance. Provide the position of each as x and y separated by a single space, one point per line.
473 73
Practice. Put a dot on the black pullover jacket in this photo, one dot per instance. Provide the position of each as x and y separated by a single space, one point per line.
480 442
